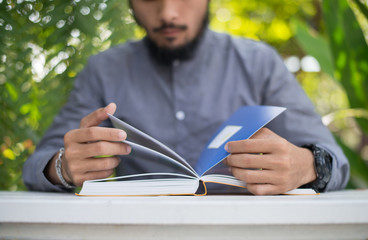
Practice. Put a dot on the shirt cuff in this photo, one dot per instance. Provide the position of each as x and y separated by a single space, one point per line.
339 172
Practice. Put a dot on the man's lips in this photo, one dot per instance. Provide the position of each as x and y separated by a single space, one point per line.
170 32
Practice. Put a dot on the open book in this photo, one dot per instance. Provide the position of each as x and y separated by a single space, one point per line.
241 125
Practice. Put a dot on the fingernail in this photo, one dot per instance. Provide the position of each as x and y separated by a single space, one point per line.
107 106
128 149
226 147
122 135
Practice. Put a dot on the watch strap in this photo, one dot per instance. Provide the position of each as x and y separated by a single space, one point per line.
323 167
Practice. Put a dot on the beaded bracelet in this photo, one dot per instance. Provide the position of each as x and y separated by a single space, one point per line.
58 170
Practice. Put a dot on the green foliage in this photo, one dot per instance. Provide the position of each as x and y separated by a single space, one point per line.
266 20
343 54
43 46
350 52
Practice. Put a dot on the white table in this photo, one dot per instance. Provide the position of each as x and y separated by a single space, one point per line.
35 215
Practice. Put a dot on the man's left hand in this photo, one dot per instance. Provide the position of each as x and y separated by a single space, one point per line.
269 164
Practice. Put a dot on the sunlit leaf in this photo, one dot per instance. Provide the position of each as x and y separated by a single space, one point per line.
315 45
8 153
12 91
363 8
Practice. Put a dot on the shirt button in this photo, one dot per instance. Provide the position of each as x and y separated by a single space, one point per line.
176 63
180 115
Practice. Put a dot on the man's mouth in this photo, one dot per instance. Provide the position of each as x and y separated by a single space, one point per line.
170 30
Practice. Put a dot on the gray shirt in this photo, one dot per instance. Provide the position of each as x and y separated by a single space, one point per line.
182 105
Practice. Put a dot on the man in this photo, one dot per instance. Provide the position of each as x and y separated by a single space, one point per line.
178 85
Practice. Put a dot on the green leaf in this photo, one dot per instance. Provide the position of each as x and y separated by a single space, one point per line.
12 91
362 8
315 45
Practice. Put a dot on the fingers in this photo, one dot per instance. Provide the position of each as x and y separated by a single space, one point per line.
264 141
252 146
265 162
93 134
264 189
102 164
79 179
263 133
79 160
84 144
262 182
250 161
97 168
258 176
100 148
97 117
95 165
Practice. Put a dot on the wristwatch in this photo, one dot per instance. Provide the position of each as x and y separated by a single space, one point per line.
323 167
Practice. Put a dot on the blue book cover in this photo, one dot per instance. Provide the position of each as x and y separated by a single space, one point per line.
241 125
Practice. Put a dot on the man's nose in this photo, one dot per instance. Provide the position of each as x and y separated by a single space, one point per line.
169 10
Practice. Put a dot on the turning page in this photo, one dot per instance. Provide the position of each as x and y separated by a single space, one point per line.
137 138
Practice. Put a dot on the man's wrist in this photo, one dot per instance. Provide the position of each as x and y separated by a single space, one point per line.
309 174
51 173
322 166
58 169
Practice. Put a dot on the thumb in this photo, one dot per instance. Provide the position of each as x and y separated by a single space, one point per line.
110 108
97 117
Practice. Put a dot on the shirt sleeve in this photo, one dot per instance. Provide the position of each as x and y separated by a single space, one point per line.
300 124
84 99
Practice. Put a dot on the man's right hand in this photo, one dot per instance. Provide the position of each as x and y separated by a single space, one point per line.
84 147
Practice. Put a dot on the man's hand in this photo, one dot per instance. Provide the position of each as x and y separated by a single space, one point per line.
270 164
83 145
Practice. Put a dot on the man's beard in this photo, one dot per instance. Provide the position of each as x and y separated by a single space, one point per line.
167 56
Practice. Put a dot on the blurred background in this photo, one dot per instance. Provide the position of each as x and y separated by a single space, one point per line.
45 44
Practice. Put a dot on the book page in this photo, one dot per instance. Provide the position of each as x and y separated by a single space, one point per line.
241 125
230 180
140 153
137 185
223 179
136 136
